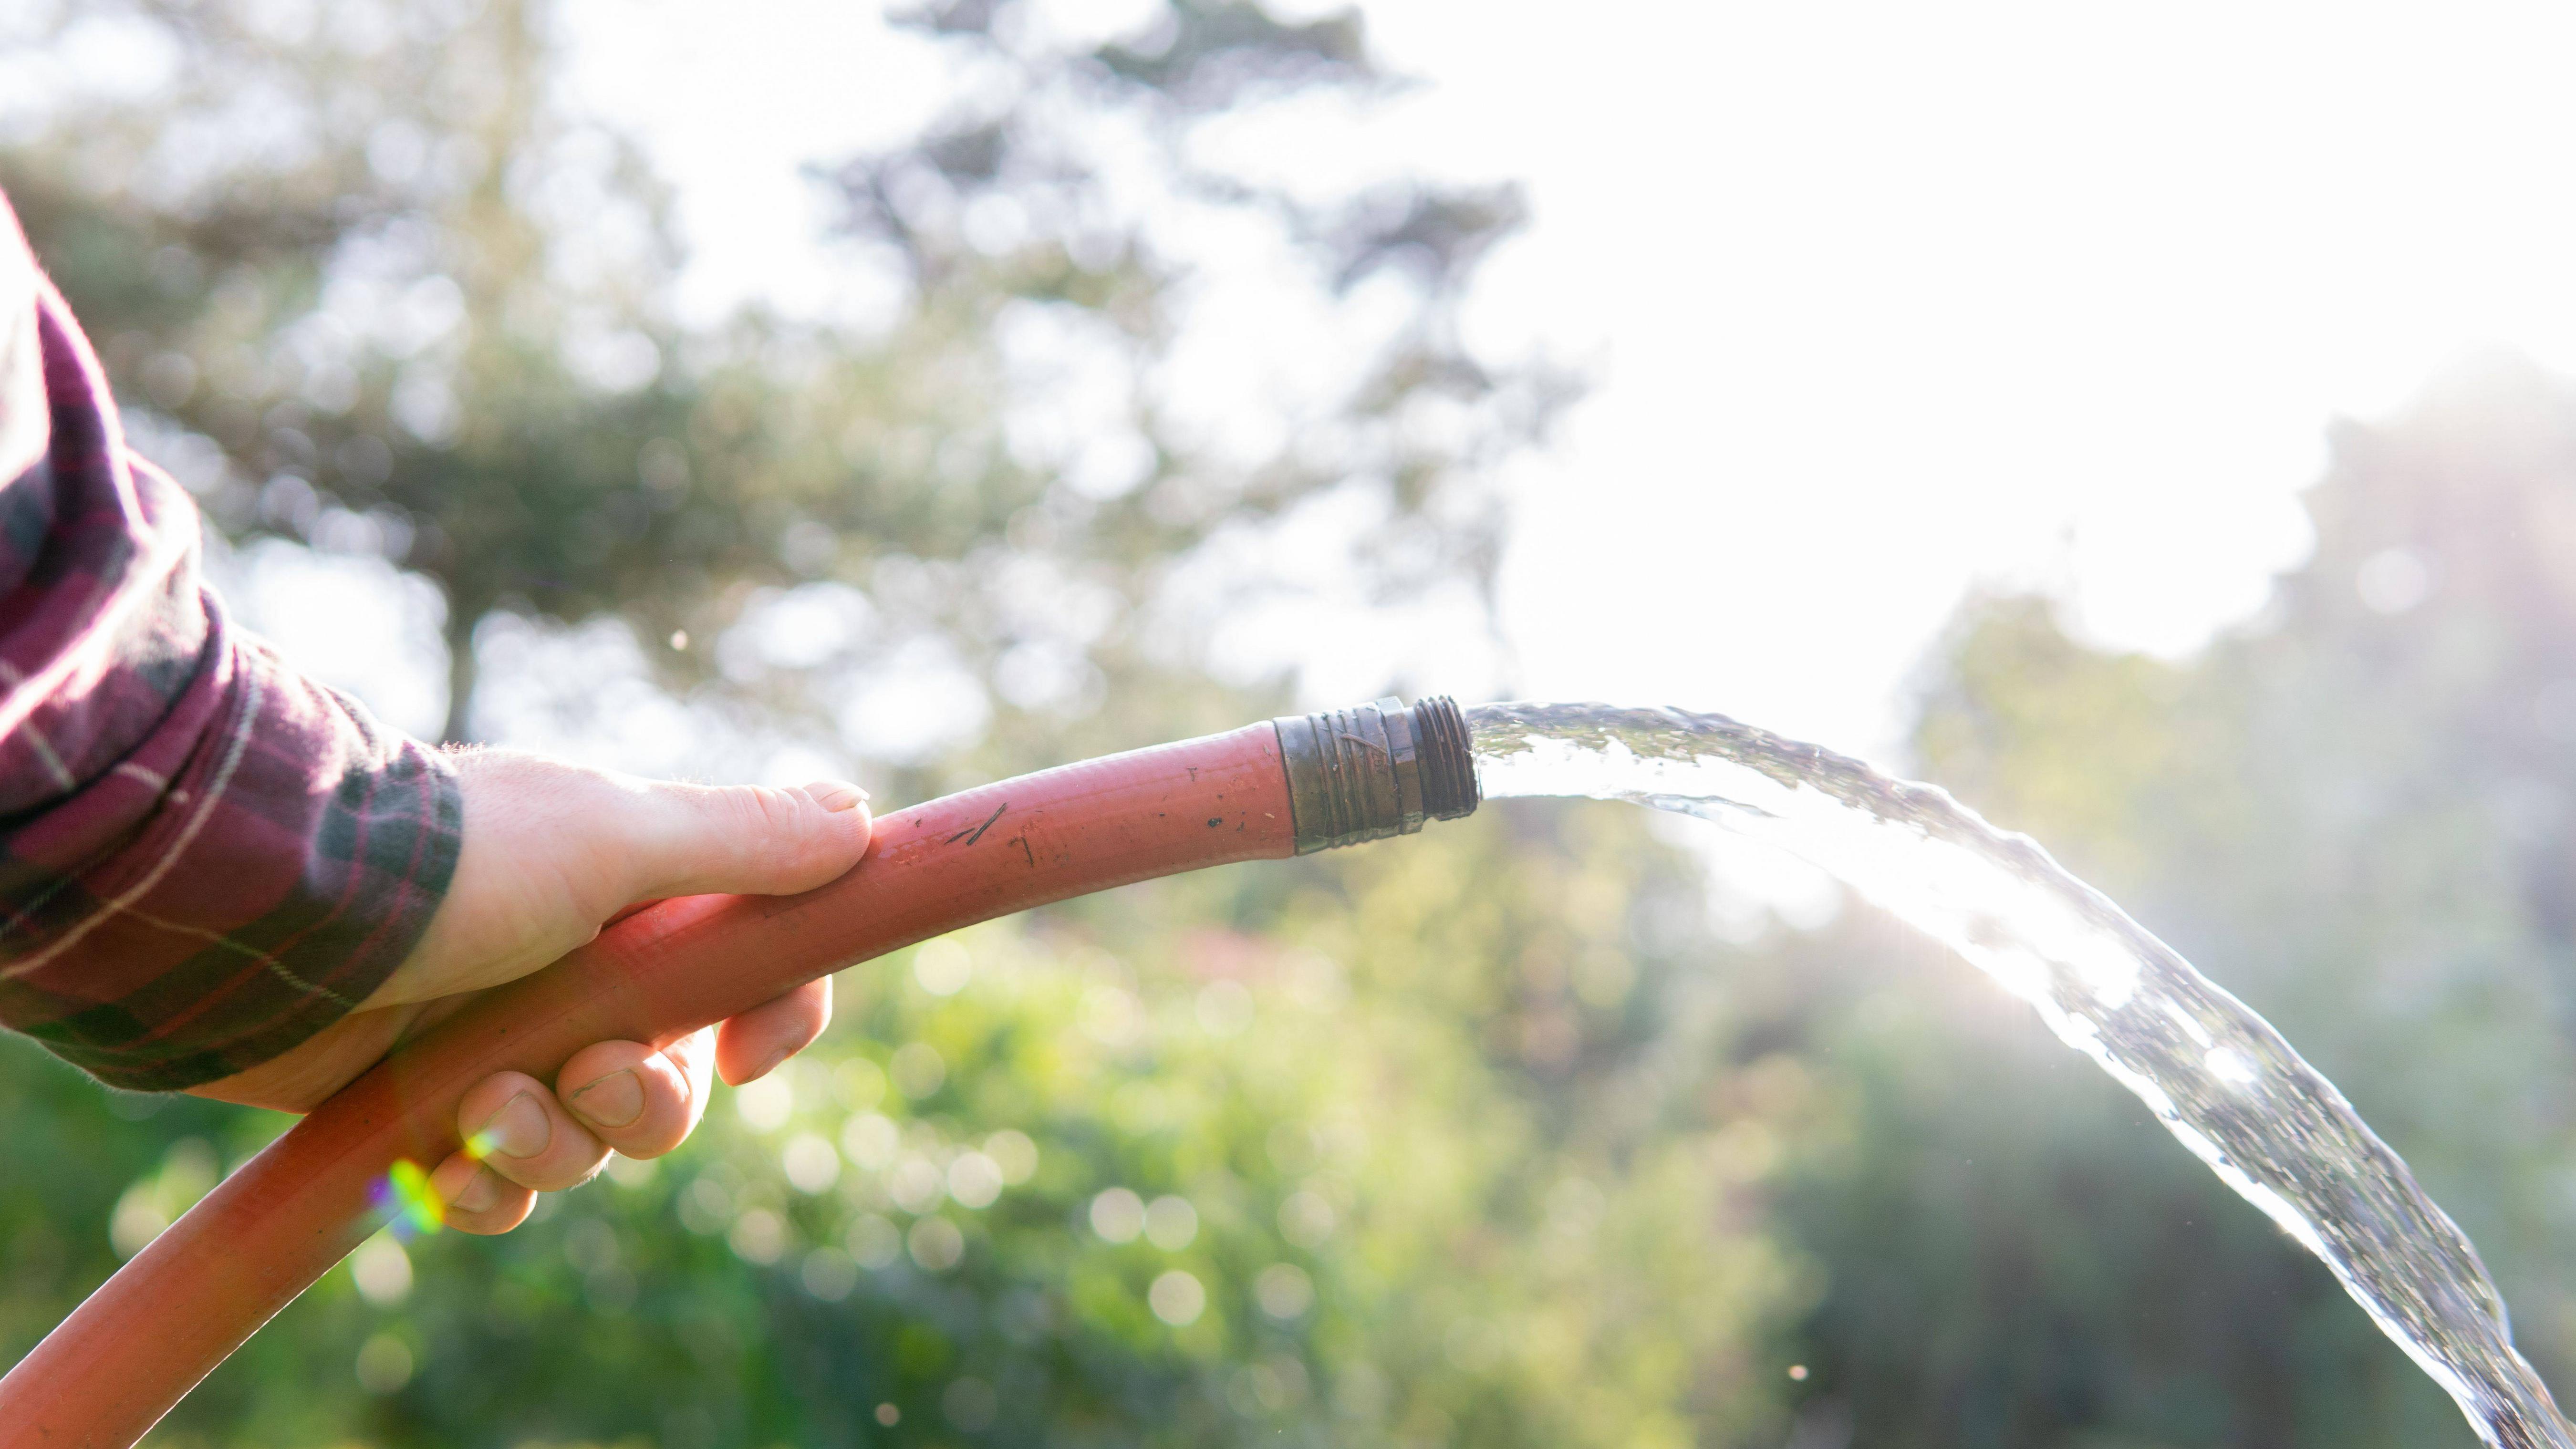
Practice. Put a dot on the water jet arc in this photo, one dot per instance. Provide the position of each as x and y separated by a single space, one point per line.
1284 787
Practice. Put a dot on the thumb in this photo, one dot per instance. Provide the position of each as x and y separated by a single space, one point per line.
687 840
551 850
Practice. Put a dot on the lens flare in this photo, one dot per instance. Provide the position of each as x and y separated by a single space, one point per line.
409 1205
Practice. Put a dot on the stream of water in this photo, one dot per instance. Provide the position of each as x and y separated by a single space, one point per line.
2217 1075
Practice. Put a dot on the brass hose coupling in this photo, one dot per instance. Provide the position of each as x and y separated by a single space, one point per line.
1376 770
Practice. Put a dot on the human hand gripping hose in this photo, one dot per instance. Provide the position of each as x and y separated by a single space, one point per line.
1289 786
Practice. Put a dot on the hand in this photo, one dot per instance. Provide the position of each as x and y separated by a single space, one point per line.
551 852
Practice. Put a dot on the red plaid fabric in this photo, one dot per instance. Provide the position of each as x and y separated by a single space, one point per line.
205 857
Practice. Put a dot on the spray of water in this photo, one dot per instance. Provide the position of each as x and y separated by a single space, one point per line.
2217 1075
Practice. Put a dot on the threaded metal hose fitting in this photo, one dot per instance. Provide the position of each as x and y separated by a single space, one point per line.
1376 770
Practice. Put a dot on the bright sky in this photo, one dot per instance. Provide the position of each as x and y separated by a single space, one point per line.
1883 302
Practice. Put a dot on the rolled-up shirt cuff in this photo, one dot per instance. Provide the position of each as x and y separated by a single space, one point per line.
287 853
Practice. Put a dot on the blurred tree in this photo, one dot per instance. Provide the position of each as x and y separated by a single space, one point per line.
1404 1147
430 317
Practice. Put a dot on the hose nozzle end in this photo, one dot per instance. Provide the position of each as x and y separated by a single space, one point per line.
1376 770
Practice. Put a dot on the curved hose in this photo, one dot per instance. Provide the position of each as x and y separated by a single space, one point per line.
109 1372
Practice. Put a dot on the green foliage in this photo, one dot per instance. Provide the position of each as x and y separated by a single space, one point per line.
1449 1176
2355 814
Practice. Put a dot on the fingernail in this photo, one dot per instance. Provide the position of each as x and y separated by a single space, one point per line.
836 794
519 1129
480 1193
613 1101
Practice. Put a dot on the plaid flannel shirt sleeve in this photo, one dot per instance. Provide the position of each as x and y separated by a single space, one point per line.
205 857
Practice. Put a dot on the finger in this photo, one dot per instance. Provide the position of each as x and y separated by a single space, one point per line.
696 1055
750 1046
516 1127
635 1099
477 1199
745 839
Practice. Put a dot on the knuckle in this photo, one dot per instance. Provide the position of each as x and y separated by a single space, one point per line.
768 813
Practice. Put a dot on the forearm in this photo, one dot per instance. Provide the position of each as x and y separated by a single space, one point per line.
205 858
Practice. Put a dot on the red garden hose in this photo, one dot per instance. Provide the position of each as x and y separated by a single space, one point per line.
109 1372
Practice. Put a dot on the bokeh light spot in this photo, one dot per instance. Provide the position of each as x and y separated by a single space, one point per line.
1177 1298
